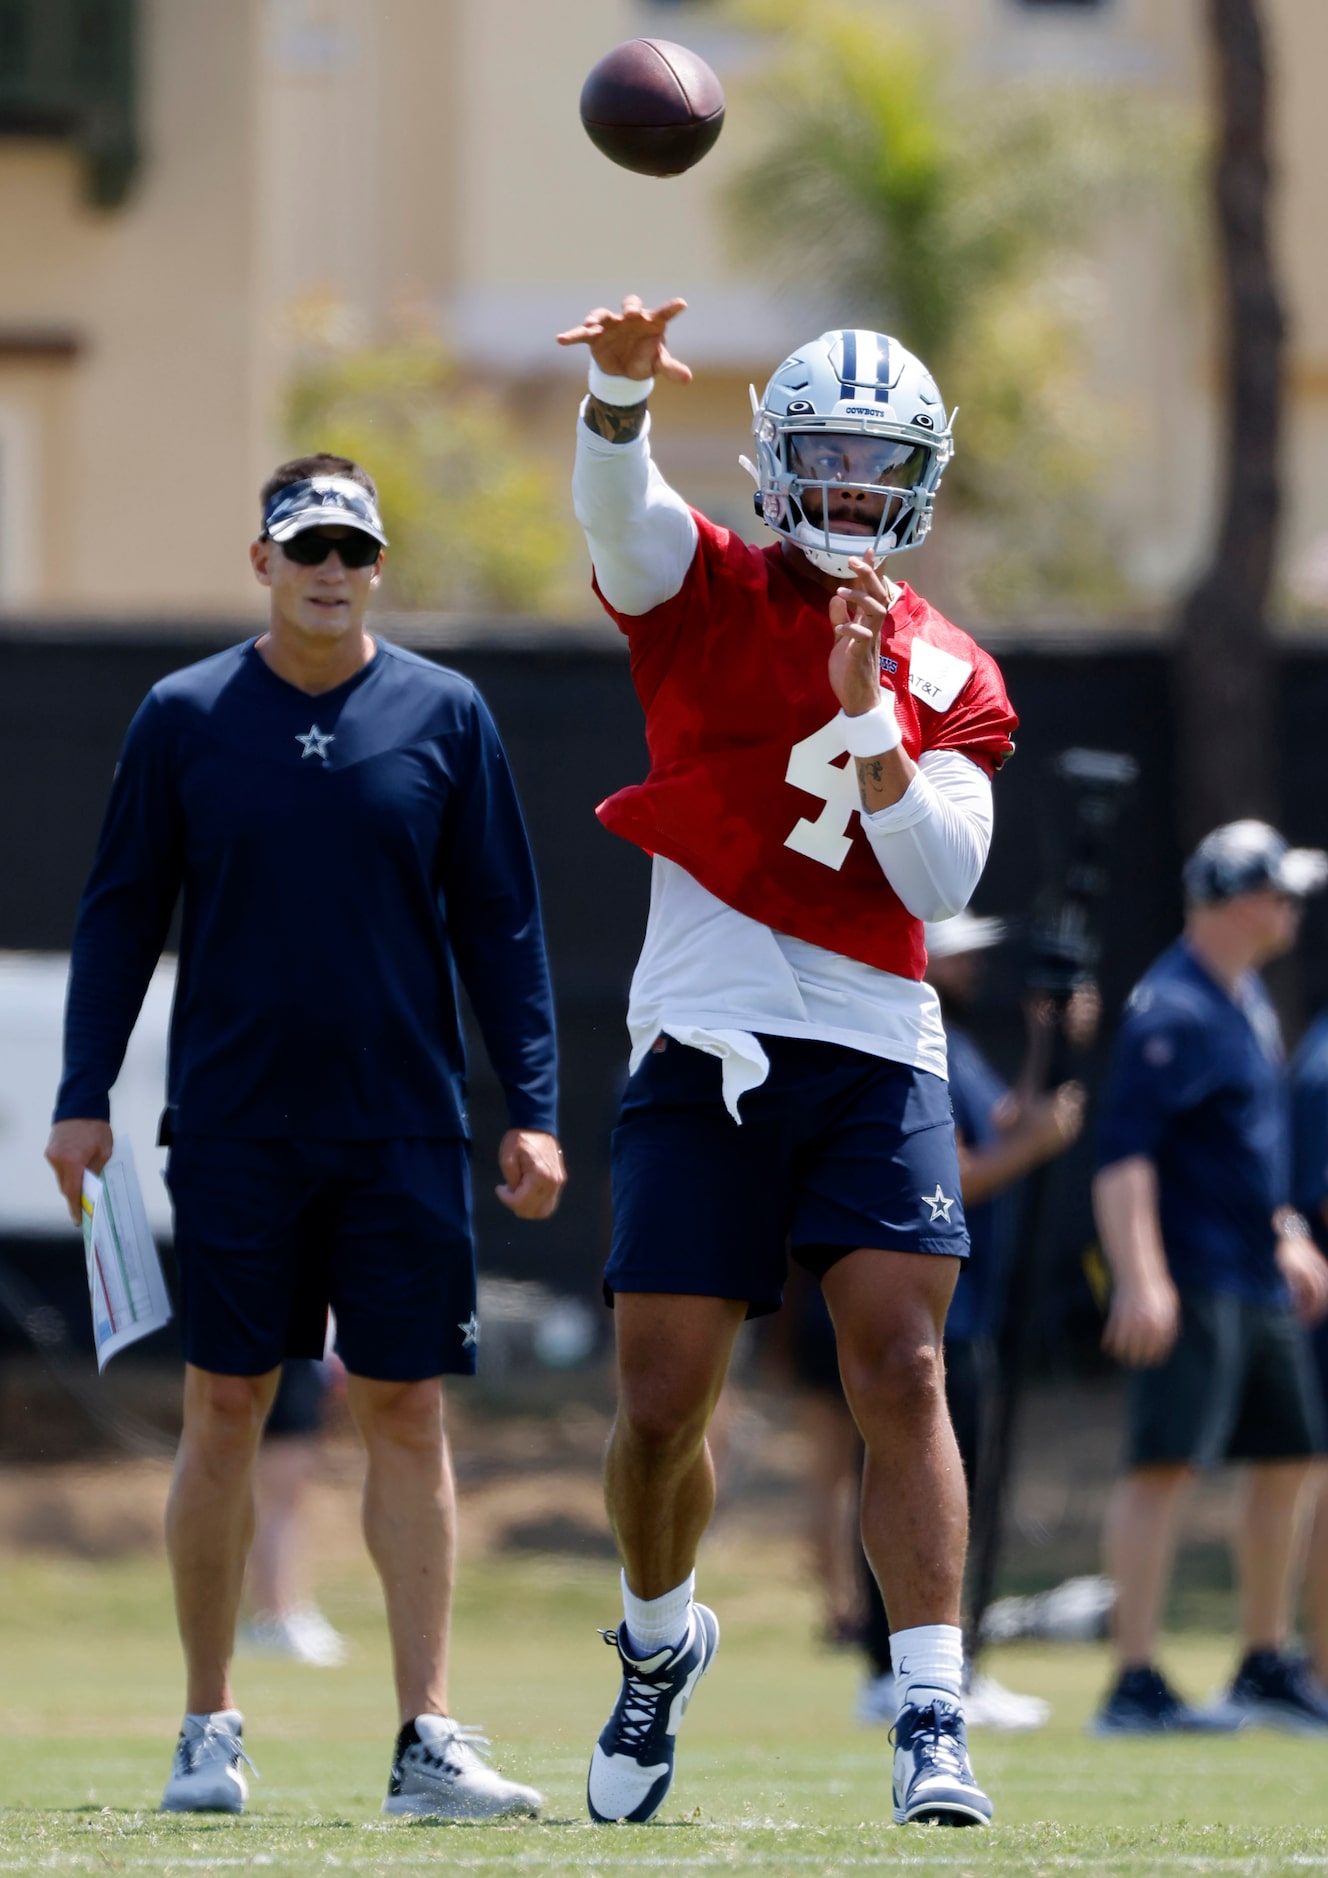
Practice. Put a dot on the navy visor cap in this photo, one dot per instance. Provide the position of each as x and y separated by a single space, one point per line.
322 502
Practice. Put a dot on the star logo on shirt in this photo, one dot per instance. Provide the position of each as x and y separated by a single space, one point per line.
315 741
470 1332
939 1204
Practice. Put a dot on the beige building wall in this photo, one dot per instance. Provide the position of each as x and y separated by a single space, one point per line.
1301 35
363 198
129 377
376 165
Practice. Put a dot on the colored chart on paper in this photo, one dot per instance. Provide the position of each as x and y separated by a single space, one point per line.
125 1284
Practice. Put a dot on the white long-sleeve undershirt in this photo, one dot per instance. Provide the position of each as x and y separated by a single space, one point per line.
932 844
640 533
708 975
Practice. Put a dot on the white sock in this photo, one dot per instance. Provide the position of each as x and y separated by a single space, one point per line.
929 1663
657 1623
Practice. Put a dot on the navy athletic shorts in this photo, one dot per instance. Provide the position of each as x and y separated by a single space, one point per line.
269 1233
836 1150
1238 1385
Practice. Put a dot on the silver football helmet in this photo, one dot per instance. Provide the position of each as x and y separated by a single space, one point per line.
851 443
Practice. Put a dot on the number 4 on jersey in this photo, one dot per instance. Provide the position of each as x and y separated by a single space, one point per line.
812 767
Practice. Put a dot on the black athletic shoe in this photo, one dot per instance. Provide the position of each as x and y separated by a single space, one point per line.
1276 1691
1144 1703
933 1781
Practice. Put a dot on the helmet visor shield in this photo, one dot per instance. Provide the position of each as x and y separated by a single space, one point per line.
826 456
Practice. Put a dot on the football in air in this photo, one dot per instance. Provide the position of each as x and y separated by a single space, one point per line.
652 107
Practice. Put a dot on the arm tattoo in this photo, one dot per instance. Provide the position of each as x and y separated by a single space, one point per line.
871 781
619 423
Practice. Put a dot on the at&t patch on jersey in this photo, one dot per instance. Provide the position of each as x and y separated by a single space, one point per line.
934 676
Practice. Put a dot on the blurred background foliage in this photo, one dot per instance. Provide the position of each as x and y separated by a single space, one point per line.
477 522
966 220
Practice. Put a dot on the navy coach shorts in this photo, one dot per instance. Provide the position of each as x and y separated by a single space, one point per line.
269 1233
837 1150
1238 1385
297 1407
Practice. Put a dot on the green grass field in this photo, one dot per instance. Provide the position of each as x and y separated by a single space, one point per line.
774 1776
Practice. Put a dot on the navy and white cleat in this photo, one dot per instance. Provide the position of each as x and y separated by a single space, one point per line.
631 1769
205 1774
934 1784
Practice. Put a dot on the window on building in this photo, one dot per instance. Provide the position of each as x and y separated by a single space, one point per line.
18 545
67 70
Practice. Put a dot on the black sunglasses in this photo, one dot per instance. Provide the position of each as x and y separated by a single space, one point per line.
311 546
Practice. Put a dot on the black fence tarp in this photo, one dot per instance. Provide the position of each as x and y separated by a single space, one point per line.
573 731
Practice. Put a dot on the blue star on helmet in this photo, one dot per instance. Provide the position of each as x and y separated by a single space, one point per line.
939 1203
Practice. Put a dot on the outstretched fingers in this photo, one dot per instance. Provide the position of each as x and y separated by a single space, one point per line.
590 328
666 366
631 336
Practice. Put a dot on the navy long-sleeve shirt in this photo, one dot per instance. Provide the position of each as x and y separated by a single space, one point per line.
341 858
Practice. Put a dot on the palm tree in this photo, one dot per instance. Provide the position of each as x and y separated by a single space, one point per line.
943 210
1225 669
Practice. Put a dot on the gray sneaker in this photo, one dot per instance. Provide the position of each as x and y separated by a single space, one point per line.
439 1772
303 1635
205 1774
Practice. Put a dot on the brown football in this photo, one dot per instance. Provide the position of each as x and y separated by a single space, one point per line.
652 107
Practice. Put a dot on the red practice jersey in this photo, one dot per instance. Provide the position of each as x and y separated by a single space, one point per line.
750 787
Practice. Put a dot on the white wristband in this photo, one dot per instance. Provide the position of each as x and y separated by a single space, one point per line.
620 391
874 732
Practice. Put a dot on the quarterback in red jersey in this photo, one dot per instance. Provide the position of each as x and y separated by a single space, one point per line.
787 1090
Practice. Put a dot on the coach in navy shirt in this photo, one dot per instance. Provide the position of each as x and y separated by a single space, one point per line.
1212 1272
338 818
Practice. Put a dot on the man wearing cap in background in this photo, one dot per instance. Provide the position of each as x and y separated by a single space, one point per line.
340 820
1002 1134
1214 1277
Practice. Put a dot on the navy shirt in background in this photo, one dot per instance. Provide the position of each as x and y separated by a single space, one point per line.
340 857
977 1305
1197 1086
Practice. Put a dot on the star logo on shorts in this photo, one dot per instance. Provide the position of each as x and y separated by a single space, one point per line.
315 741
939 1204
470 1332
